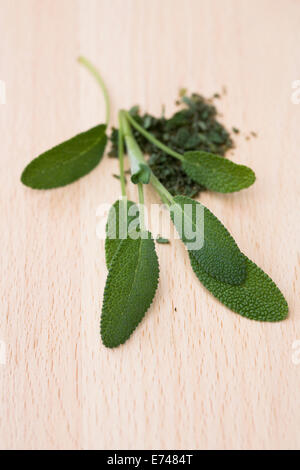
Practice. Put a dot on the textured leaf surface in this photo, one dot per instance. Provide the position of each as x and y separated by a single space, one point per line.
130 288
66 162
217 173
219 256
122 213
258 298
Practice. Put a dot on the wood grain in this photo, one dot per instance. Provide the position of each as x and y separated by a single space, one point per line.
200 376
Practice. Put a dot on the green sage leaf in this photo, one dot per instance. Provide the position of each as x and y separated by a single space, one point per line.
122 214
218 255
217 173
140 173
258 298
130 288
66 162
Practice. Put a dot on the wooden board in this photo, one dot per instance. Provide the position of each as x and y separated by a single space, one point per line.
200 376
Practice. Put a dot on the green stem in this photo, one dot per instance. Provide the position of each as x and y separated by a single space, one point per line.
164 194
121 157
125 124
141 206
132 146
140 171
152 139
141 193
97 76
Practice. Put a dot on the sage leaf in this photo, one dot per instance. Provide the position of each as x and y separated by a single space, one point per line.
218 255
140 172
217 173
258 298
122 214
66 162
130 288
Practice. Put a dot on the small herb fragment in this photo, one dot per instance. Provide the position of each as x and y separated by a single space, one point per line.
118 177
162 241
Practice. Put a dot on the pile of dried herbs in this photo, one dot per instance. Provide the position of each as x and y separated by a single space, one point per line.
193 127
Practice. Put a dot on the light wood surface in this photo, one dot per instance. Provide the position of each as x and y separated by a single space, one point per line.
200 377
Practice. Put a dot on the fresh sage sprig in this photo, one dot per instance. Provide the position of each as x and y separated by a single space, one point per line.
131 259
130 288
218 254
256 296
122 213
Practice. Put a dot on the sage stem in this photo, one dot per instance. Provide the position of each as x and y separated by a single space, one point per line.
121 157
86 63
141 206
152 139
